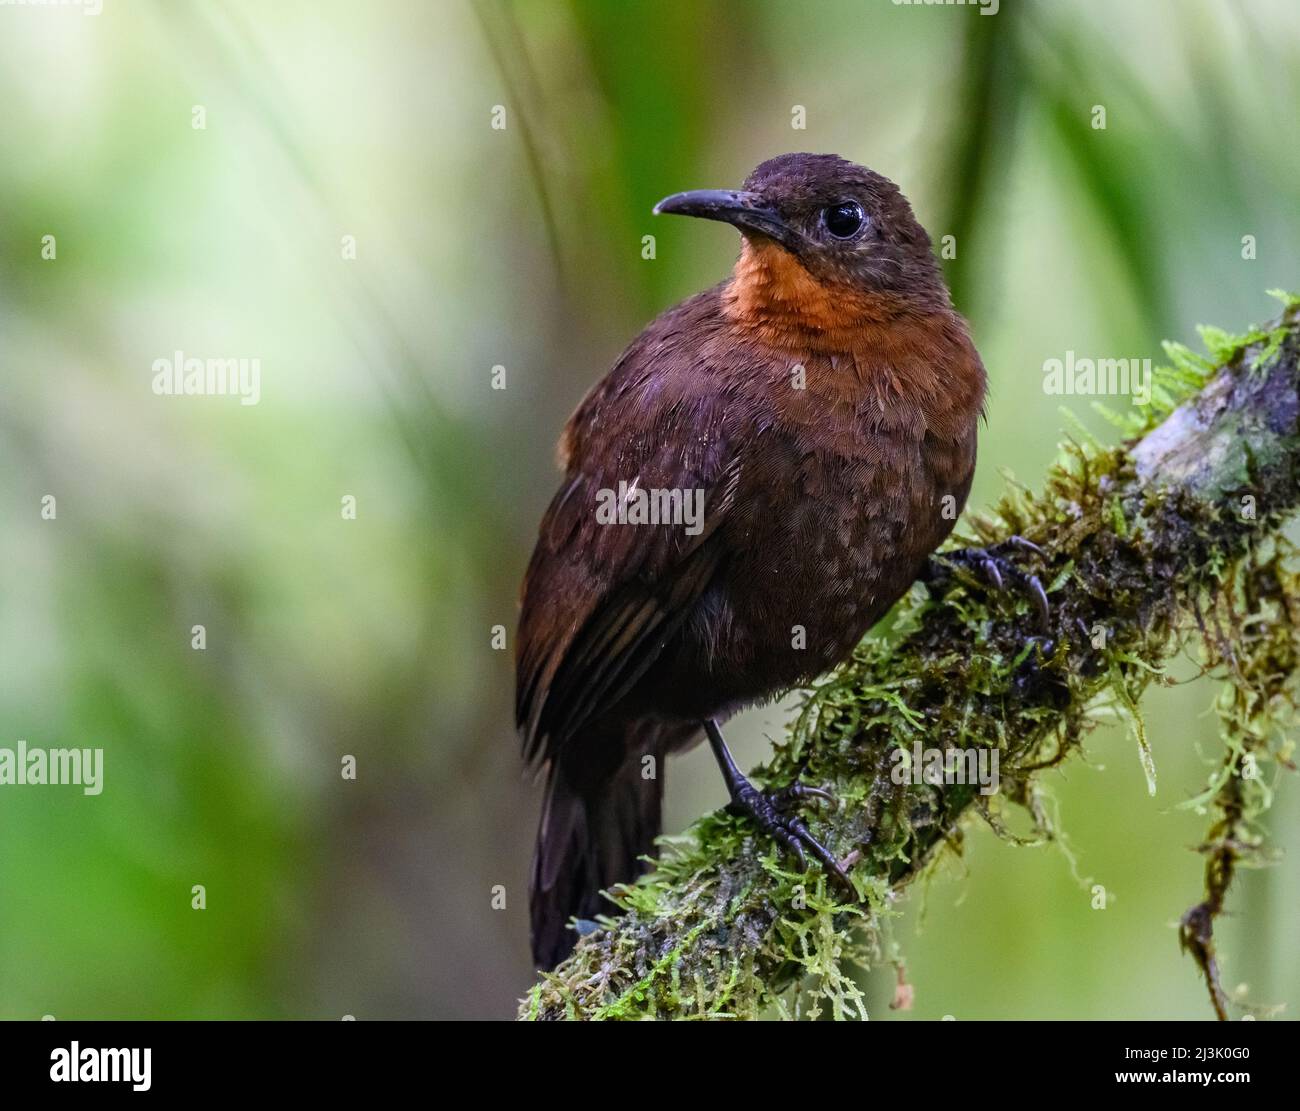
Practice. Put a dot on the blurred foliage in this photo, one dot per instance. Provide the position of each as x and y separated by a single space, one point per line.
521 248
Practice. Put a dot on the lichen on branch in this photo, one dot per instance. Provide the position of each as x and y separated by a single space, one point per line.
1169 541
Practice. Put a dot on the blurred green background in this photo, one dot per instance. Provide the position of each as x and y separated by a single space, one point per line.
521 248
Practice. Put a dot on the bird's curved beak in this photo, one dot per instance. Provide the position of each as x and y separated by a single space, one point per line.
744 210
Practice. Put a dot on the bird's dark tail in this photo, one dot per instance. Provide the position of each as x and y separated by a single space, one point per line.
593 830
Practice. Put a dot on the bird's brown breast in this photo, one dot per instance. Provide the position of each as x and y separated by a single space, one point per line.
841 500
856 433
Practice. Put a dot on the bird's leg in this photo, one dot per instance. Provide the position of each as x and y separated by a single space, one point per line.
770 811
992 565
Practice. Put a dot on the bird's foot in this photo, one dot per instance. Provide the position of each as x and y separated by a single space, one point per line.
772 811
993 566
774 815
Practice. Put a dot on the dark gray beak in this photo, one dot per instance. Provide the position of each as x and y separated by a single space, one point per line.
746 211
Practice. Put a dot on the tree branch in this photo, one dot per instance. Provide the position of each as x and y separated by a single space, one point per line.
1170 534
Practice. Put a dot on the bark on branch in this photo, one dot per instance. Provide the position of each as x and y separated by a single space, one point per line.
1171 535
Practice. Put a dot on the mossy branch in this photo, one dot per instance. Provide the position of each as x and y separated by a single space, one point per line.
1169 541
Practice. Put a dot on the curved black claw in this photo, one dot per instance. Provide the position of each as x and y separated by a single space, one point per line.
772 815
787 797
992 564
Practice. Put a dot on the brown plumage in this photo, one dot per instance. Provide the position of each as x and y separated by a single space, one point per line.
825 490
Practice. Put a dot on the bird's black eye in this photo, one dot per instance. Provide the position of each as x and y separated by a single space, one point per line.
844 219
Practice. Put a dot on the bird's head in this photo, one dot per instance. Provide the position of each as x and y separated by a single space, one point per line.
822 236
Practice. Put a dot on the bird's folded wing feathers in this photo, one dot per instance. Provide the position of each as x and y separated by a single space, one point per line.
600 600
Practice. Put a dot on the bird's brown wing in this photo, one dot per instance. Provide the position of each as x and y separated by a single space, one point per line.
601 600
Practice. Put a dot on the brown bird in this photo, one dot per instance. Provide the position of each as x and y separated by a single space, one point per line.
822 404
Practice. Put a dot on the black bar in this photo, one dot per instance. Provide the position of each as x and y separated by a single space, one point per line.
365 1059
